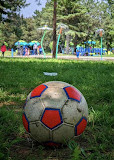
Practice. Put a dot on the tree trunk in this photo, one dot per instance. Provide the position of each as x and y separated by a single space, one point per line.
107 48
75 42
54 29
67 43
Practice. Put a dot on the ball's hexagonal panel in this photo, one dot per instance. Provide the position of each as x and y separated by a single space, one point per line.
63 133
25 122
54 97
56 84
83 106
38 91
28 97
80 126
39 132
34 109
52 118
72 93
25 104
71 112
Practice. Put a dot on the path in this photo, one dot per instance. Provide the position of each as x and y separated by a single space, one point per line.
88 58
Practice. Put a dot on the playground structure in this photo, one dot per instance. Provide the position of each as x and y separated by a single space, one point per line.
100 32
82 51
45 28
88 50
61 27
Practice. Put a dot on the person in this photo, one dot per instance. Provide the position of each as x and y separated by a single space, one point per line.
3 49
19 49
26 51
77 54
90 49
35 48
40 49
75 50
23 50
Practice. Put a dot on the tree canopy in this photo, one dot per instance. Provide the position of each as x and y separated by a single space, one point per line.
82 17
10 7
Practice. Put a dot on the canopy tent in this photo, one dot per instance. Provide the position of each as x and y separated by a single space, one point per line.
21 43
33 42
90 42
78 47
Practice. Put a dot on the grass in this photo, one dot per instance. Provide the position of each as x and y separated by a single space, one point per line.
94 79
108 55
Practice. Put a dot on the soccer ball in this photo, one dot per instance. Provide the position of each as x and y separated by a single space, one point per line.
55 112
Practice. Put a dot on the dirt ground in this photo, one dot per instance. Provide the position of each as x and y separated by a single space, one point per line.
87 58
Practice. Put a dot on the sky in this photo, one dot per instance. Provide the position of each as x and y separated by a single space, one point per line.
29 11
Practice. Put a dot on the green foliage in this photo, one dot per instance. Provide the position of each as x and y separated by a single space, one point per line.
9 8
73 14
51 45
76 150
29 31
107 23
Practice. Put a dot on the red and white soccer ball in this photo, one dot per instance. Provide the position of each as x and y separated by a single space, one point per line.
55 112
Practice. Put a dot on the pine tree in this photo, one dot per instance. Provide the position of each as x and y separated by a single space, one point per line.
10 7
74 15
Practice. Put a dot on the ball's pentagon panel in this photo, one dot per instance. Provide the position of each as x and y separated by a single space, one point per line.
80 126
25 122
52 118
72 93
38 91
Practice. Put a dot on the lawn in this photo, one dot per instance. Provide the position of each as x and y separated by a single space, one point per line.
94 79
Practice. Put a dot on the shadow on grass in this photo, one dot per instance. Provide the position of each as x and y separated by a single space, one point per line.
93 79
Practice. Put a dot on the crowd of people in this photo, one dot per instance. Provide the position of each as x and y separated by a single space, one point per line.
29 50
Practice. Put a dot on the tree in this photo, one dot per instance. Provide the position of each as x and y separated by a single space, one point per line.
29 30
74 15
54 29
9 8
83 17
102 15
108 23
54 25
